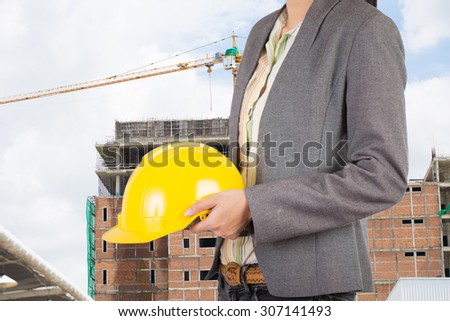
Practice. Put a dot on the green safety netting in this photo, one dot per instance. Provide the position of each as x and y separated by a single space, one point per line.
445 210
90 233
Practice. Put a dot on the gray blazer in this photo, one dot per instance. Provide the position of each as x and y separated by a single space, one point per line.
332 147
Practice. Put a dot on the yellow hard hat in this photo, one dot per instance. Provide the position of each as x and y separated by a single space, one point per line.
165 184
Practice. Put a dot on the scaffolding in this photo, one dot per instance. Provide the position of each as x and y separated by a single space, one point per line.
171 128
90 234
117 158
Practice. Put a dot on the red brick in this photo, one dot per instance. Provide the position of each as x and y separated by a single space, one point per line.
175 276
175 295
386 275
366 297
208 295
191 295
176 285
406 267
161 296
383 244
106 297
427 232
385 256
403 243
402 210
403 233
385 267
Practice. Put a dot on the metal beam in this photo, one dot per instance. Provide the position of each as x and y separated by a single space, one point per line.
35 293
13 246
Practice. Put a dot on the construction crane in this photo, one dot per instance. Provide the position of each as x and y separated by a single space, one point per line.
230 60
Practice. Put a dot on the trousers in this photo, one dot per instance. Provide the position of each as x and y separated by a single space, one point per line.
259 292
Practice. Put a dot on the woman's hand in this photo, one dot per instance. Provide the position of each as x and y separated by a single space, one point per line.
228 217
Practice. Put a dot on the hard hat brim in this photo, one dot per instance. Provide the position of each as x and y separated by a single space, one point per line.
118 235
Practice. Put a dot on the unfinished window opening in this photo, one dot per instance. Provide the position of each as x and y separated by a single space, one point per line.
203 274
207 242
406 221
159 127
409 253
418 221
167 128
187 276
414 189
104 277
445 240
105 214
199 127
175 128
152 277
186 243
421 254
104 246
152 246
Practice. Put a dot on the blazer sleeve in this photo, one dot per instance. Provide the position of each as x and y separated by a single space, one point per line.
375 176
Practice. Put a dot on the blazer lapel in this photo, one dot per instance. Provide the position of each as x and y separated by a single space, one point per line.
253 49
313 20
251 55
305 38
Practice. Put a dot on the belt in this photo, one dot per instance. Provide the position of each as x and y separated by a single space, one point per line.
232 274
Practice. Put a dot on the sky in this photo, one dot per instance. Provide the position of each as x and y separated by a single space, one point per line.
47 146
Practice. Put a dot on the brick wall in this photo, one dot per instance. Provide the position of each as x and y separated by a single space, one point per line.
190 257
127 271
172 268
405 241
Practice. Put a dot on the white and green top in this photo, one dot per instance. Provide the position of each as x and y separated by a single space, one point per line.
272 56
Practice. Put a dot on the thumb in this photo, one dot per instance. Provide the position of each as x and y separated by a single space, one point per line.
200 206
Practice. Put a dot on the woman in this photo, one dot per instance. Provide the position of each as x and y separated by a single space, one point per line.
318 113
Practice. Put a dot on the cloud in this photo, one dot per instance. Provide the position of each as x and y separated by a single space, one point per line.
11 27
428 114
426 23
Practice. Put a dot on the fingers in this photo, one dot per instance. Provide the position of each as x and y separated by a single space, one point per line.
212 225
200 206
201 226
229 214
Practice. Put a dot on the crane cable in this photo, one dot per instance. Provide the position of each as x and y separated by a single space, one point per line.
210 92
177 55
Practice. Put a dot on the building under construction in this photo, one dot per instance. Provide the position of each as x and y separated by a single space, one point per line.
411 238
408 240
170 268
